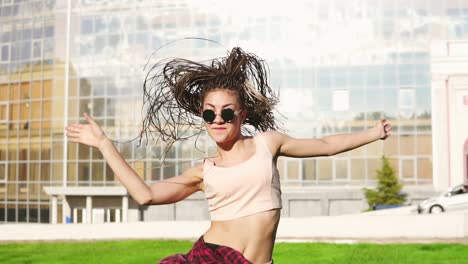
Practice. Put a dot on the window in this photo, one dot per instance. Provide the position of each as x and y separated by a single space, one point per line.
86 26
48 48
6 11
99 25
424 169
37 49
114 24
459 190
325 167
37 33
84 172
5 56
406 102
168 169
341 169
358 169
293 169
3 172
309 169
407 168
406 98
25 50
4 112
372 166
340 100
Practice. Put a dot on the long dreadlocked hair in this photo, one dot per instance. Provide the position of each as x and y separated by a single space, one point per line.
174 91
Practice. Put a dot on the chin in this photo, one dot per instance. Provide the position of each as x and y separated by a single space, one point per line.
219 137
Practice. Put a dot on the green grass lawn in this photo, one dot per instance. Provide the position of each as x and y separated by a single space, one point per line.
149 251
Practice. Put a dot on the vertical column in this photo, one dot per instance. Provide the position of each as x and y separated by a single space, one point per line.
66 95
75 215
83 216
54 209
117 215
325 205
89 209
66 210
465 168
124 209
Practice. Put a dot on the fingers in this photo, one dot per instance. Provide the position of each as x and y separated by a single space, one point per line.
74 127
89 133
73 134
89 118
385 124
386 127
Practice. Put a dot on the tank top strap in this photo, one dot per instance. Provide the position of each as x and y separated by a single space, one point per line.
207 164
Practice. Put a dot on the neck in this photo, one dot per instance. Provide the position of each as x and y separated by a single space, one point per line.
233 146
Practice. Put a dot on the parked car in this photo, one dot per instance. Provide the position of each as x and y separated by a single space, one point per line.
454 199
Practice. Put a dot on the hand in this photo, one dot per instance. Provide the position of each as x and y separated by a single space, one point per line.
89 134
383 128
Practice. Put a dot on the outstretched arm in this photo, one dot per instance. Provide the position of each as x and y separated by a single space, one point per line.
285 145
167 191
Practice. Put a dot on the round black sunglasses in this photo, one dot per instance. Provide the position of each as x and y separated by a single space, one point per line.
227 115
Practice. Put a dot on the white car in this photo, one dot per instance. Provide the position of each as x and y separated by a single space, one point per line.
454 199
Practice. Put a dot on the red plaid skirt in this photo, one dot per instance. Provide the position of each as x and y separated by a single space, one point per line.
201 253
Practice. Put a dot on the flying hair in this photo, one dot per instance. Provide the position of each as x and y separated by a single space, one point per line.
174 89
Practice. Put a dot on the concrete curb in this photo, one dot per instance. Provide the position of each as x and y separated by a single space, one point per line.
359 227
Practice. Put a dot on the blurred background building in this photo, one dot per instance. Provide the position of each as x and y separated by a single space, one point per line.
339 66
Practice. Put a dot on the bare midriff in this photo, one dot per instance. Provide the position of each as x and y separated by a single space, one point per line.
253 235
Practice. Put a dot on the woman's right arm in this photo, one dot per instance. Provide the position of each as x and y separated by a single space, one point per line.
163 192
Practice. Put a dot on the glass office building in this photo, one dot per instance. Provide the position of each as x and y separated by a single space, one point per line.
338 65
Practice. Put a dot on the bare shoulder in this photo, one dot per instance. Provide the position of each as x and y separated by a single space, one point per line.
195 171
273 139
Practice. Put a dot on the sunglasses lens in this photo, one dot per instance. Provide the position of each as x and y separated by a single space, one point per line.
209 115
227 114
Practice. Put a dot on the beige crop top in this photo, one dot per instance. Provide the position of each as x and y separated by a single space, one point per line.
247 188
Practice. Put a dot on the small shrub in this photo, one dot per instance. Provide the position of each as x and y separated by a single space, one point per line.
388 190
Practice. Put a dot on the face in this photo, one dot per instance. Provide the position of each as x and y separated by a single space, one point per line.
220 130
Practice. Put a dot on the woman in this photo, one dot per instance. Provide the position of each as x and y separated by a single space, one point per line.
241 183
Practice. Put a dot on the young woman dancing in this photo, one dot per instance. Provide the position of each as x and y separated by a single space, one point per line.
241 183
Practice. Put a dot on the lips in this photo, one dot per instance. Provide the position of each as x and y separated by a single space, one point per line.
218 128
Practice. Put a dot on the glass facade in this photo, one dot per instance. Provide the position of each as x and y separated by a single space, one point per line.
339 66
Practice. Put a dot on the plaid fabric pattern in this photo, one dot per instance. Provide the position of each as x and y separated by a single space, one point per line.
202 254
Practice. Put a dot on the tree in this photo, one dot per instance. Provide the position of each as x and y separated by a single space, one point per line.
388 190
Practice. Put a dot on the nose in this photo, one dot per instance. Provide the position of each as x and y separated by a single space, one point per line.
218 119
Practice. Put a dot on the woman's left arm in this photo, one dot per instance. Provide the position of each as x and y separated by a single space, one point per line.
329 145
